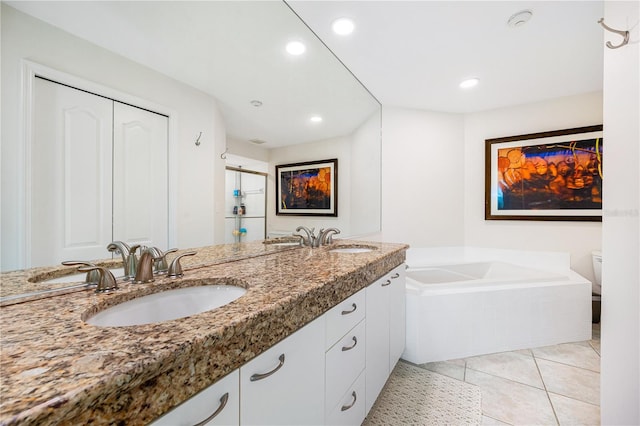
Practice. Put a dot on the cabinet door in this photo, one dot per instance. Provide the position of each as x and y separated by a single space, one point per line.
285 384
70 203
377 338
397 315
350 410
219 404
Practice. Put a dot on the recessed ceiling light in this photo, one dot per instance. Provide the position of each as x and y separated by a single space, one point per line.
296 48
343 26
470 82
520 18
316 119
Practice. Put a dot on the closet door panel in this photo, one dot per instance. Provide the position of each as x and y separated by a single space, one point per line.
140 176
70 203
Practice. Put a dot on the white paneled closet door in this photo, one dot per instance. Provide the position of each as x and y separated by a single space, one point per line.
140 176
99 173
70 193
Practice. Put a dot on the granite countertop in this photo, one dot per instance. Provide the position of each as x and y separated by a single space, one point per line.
58 369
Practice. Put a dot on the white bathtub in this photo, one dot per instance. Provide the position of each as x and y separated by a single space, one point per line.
471 306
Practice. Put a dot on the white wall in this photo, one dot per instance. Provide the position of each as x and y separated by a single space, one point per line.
577 238
339 148
366 177
199 171
620 362
422 177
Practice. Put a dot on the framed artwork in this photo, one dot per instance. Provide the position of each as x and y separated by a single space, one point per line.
553 175
307 189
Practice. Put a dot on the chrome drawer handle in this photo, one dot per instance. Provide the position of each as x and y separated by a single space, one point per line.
223 403
396 275
257 377
348 348
355 398
386 283
351 311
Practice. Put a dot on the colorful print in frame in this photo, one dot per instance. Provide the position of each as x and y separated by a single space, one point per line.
545 176
307 189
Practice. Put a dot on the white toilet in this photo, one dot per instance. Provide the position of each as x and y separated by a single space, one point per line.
596 257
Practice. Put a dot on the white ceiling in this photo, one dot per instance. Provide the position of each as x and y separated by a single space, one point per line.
409 54
415 53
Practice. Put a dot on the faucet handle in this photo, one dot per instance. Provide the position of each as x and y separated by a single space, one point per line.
175 269
93 276
160 259
107 281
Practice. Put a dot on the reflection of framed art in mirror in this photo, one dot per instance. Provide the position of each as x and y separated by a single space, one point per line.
307 189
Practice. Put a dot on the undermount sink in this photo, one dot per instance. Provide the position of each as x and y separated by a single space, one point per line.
353 249
167 305
76 278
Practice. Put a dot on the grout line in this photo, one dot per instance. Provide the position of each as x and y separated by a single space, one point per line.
566 364
546 390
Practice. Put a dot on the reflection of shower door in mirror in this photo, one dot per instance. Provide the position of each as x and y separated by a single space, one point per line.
245 210
75 186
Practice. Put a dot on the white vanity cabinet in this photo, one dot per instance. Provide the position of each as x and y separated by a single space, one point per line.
345 361
329 372
285 384
385 330
219 404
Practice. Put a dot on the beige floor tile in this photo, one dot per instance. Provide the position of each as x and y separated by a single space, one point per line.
574 382
512 402
576 354
508 365
572 412
595 344
453 368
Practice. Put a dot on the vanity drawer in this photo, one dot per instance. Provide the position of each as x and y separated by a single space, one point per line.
343 317
350 409
343 364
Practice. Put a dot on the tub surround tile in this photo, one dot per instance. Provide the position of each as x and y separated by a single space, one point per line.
512 402
57 369
574 382
509 365
573 412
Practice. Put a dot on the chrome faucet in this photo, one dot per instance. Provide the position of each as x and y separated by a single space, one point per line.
310 239
326 236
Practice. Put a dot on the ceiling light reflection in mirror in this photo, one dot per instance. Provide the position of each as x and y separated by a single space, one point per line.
233 50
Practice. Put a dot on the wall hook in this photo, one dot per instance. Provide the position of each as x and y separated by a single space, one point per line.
624 34
198 139
224 154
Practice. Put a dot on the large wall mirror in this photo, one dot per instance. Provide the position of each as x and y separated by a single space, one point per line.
228 77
